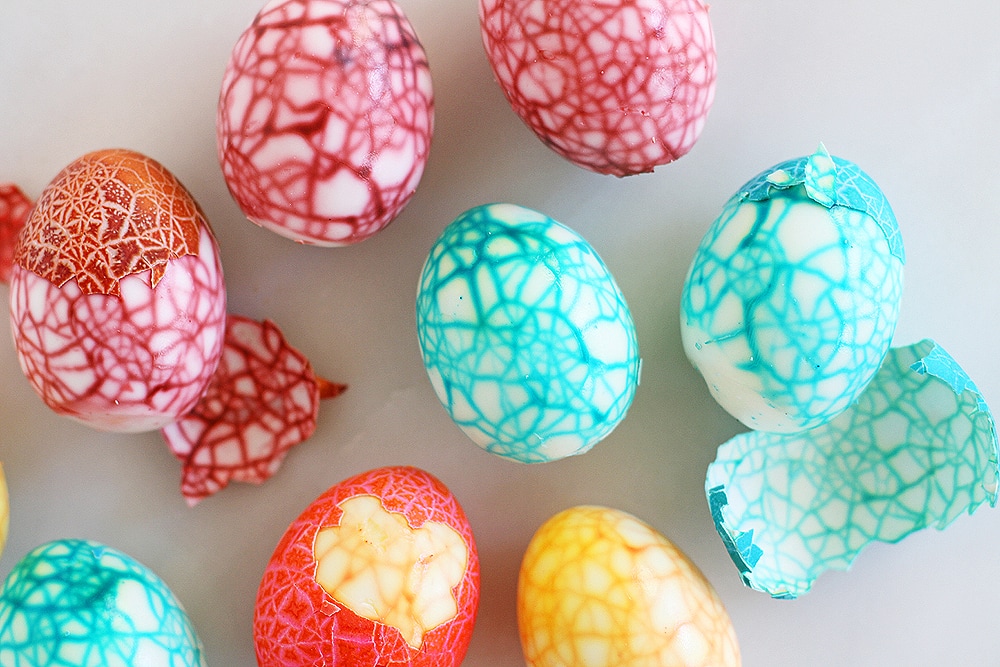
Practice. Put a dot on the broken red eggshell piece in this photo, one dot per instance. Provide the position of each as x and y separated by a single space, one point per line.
263 400
14 209
118 301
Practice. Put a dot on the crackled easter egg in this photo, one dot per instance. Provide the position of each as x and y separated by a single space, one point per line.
618 86
325 118
526 337
380 570
117 298
792 297
600 588
77 602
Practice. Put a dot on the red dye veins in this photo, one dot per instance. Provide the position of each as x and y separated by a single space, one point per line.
262 400
618 86
325 118
14 209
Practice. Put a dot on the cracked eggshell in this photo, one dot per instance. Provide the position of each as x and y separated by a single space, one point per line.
117 295
325 118
380 570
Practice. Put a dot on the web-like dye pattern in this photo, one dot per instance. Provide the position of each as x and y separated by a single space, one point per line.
73 602
107 215
615 87
262 400
527 340
598 587
917 450
14 209
297 623
792 297
132 362
325 118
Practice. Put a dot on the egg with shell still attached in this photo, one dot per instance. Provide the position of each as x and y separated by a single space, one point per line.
792 297
325 118
525 335
117 299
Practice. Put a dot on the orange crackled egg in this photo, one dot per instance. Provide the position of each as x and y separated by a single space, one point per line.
600 588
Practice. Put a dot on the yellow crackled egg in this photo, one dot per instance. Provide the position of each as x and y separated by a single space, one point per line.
600 588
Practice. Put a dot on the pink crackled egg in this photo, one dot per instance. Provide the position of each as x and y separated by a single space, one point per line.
325 118
117 295
615 86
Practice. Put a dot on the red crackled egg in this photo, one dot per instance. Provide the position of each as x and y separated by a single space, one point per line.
615 86
117 299
381 570
325 118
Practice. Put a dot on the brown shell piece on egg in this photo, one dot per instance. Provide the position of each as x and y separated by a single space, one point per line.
14 209
107 215
262 401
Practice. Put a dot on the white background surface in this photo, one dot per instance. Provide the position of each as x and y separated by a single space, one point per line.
908 89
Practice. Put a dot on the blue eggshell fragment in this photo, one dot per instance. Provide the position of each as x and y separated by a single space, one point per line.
78 602
793 295
526 337
917 450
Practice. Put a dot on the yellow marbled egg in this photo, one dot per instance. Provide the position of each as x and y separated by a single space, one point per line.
598 587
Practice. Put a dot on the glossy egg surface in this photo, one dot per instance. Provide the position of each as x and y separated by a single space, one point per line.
381 570
600 588
117 294
792 297
526 338
617 87
325 118
77 602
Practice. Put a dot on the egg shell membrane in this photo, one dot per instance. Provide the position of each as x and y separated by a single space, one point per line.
325 118
599 587
297 623
262 400
14 209
918 449
78 602
109 214
614 87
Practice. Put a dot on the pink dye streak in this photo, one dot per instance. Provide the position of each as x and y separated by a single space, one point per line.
325 118
618 86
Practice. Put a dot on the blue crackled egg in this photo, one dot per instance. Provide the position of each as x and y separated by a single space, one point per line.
792 297
77 602
526 337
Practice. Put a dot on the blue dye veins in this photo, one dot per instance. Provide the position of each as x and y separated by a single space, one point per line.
75 602
792 297
526 337
917 450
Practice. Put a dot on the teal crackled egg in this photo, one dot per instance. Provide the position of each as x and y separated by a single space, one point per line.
526 337
77 602
792 297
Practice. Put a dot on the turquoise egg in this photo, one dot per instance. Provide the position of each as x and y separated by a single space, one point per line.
76 602
792 297
526 337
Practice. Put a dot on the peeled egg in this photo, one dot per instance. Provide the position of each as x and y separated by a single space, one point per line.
600 588
117 296
325 118
792 297
615 87
526 337
380 570
77 602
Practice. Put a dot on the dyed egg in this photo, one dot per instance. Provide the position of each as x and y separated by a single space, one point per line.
792 297
616 87
117 296
526 337
380 570
76 602
325 118
600 588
